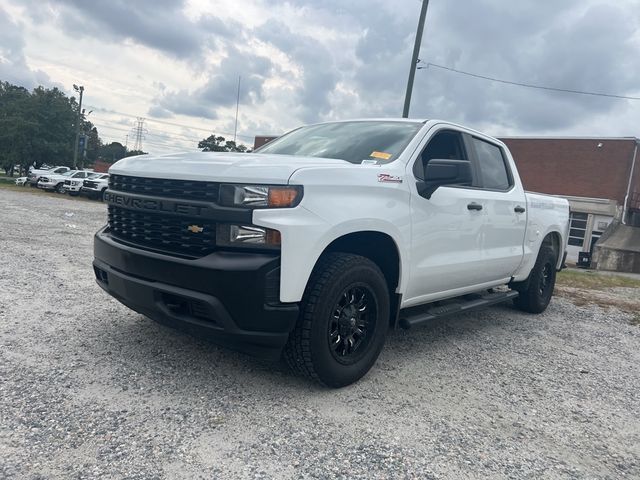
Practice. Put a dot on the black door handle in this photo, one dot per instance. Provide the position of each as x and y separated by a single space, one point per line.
474 206
519 209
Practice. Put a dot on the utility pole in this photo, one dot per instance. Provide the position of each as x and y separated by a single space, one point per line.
126 142
75 144
235 130
414 58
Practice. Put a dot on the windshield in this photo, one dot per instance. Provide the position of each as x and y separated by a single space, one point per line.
66 174
375 141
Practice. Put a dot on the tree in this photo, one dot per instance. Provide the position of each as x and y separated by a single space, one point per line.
220 144
15 128
39 127
132 153
94 144
112 152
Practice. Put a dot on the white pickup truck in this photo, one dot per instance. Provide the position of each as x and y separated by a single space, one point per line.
318 243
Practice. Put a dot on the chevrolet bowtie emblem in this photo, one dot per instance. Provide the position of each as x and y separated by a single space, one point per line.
195 229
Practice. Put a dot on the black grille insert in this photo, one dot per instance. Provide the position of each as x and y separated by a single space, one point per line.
162 232
161 187
90 184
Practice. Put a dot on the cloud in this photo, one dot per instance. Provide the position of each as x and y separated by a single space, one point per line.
13 65
319 76
304 61
221 87
570 46
158 24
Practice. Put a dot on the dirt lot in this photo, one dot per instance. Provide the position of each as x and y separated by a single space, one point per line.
89 389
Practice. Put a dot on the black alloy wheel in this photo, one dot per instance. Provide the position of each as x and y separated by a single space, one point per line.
353 323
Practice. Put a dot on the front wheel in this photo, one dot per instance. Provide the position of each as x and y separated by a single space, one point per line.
536 291
344 317
58 188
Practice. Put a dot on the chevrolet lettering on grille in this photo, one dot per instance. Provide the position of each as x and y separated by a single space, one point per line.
149 204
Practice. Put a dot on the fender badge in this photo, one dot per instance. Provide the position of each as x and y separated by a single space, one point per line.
387 178
195 229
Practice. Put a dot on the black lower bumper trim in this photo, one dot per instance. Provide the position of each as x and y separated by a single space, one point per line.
223 298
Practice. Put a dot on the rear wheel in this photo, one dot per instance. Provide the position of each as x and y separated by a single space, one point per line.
344 317
536 291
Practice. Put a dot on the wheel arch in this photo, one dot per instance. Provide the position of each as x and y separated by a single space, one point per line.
553 239
382 250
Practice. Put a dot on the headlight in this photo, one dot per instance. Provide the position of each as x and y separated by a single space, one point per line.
260 196
247 236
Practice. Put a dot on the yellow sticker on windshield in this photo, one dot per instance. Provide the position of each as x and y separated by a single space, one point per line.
381 155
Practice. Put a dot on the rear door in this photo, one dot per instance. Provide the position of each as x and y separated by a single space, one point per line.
503 201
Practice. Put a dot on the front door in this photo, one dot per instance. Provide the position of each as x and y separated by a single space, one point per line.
447 228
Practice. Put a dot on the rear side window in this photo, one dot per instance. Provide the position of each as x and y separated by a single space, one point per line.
492 165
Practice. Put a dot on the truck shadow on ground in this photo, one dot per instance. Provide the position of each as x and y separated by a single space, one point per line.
140 348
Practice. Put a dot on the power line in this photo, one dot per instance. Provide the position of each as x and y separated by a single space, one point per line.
529 85
163 135
208 130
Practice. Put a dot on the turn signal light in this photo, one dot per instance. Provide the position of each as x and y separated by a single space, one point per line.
283 196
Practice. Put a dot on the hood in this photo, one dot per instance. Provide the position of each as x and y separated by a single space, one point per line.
220 167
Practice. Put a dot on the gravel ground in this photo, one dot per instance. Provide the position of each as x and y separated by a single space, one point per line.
89 389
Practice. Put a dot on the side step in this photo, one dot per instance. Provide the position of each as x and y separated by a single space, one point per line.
415 316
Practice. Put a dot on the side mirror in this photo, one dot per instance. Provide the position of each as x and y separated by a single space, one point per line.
443 172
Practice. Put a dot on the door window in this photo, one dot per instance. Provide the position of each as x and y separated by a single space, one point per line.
492 165
444 145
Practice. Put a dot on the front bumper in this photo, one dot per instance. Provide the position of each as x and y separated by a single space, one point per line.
71 188
229 297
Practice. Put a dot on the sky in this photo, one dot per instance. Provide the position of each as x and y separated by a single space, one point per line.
176 63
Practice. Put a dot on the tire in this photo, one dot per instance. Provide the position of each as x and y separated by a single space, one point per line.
58 188
74 194
101 195
536 291
343 322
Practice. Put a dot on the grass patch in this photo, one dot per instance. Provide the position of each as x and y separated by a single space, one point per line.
594 281
12 186
591 288
39 191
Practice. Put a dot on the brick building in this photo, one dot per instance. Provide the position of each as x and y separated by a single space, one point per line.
598 176
262 140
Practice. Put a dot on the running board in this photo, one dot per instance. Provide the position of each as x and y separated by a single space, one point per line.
415 316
